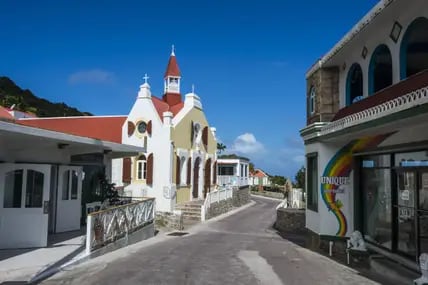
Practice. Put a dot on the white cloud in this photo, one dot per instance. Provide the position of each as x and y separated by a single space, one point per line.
91 76
247 144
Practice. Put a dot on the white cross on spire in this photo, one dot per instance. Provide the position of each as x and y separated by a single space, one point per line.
145 78
173 50
193 88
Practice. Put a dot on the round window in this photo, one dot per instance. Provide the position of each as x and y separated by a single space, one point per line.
142 127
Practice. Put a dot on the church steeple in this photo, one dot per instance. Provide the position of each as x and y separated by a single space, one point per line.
172 81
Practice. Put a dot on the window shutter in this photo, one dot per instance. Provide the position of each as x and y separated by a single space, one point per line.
131 128
192 132
205 138
149 128
208 173
177 171
215 173
149 179
126 170
189 170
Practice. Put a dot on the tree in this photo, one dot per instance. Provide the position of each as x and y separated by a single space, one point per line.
278 180
221 147
299 179
251 167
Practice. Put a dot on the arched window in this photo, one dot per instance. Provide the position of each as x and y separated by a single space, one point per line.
414 48
380 69
354 84
141 167
312 97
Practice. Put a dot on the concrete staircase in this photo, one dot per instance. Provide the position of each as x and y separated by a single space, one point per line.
191 212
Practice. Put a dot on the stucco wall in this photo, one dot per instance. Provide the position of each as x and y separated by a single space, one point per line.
183 195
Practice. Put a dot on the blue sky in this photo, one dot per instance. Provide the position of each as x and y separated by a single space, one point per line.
247 60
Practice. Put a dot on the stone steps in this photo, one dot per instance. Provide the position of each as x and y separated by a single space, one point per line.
191 210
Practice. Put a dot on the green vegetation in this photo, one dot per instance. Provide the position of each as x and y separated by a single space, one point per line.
26 101
299 179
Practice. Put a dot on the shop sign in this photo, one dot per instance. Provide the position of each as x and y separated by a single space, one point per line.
405 195
335 180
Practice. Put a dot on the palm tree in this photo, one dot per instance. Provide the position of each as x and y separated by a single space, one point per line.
220 147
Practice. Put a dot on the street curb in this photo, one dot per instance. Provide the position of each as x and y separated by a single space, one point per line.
268 198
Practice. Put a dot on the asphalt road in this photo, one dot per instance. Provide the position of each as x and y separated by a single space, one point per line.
239 249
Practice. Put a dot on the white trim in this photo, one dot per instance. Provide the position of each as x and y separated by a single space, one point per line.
361 25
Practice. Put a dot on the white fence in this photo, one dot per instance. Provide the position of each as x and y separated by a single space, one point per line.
232 180
295 199
108 225
214 197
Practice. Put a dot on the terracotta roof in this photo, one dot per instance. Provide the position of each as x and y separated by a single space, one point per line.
161 106
103 127
4 114
403 87
259 173
172 68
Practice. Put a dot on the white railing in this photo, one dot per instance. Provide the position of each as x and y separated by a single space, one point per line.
214 197
412 99
232 180
108 225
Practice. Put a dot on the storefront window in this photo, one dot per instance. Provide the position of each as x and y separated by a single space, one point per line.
411 159
312 178
377 206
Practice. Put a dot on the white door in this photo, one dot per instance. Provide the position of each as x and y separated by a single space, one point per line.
24 205
69 198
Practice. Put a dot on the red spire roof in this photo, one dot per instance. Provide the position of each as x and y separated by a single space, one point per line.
172 68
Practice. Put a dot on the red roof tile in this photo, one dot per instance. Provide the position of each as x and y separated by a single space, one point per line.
172 68
161 106
403 87
4 114
102 128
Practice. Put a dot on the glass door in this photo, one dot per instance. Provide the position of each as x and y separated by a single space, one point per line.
423 211
406 214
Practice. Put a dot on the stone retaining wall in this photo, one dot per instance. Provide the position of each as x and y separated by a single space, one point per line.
276 195
169 220
241 196
290 220
219 208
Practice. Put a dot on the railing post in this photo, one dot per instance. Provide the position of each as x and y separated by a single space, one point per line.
88 234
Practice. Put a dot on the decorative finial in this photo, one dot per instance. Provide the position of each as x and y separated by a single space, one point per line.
193 88
173 50
145 78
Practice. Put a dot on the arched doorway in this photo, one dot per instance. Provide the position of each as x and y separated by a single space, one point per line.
196 178
207 177
414 48
380 69
354 84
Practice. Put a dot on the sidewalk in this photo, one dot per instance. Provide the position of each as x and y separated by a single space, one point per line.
21 265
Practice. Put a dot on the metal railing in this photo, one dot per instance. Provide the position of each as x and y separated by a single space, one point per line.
214 197
106 226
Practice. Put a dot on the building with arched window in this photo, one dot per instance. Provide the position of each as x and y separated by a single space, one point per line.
178 164
365 139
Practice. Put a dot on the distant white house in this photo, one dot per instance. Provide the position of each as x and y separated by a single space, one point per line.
233 171
259 178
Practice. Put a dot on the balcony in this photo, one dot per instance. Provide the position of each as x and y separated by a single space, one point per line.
406 94
232 180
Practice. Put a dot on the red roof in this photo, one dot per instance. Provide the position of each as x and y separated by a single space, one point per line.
161 106
4 114
172 68
259 173
102 128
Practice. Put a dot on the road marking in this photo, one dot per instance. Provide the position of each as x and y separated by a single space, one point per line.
259 267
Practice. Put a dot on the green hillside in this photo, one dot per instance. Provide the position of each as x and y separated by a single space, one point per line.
25 100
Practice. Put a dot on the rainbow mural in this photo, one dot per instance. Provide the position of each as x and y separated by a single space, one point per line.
340 165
